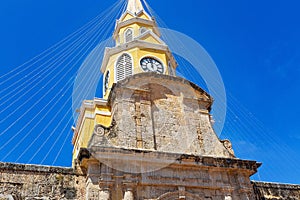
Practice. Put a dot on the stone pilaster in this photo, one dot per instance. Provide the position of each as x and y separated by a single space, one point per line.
105 190
105 184
129 185
128 195
181 191
228 192
139 136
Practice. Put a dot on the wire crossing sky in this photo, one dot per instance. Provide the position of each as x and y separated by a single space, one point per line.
258 61
36 102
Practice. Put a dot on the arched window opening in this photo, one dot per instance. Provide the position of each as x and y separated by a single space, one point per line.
128 35
143 30
106 81
123 67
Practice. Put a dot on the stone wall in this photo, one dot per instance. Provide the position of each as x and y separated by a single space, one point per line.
164 113
276 191
162 146
144 175
28 182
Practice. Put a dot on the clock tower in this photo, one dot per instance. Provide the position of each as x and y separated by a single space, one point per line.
150 136
138 48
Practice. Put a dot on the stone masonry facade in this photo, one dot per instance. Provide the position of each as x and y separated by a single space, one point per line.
274 191
30 182
188 177
161 146
161 113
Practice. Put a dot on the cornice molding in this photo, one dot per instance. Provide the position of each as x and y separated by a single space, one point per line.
130 45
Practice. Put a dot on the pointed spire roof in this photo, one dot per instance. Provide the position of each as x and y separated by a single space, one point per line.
135 6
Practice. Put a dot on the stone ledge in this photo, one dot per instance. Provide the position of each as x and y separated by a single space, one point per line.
153 75
269 185
272 191
158 77
189 159
36 168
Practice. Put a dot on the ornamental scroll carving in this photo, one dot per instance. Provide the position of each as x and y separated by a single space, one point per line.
227 144
98 137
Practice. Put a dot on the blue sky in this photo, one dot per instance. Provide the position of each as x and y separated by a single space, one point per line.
255 45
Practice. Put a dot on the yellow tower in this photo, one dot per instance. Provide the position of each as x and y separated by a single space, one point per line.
138 48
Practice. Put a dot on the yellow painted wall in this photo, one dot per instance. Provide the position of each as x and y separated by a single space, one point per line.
129 16
136 29
136 55
104 120
84 134
151 39
144 16
86 129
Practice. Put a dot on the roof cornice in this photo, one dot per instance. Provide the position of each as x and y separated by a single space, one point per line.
130 45
121 24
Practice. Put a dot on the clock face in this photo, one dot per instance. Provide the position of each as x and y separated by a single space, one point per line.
152 65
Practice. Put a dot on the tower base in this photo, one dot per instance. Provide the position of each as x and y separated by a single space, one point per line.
116 173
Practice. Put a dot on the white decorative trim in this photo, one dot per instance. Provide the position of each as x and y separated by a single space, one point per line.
91 105
150 32
135 43
89 115
100 102
147 22
135 15
93 115
124 15
105 113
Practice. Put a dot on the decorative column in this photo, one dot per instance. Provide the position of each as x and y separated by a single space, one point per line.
105 191
105 185
129 187
128 195
92 189
227 191
228 197
138 120
181 191
246 194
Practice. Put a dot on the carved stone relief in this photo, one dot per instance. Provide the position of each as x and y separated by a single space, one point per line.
98 138
227 144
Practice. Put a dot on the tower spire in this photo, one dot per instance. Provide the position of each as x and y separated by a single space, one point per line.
134 6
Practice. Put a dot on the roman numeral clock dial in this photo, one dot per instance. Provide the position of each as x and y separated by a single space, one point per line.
152 65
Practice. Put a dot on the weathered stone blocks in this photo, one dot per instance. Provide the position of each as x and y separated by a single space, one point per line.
40 182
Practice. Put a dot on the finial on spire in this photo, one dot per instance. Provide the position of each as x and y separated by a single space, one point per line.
134 6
